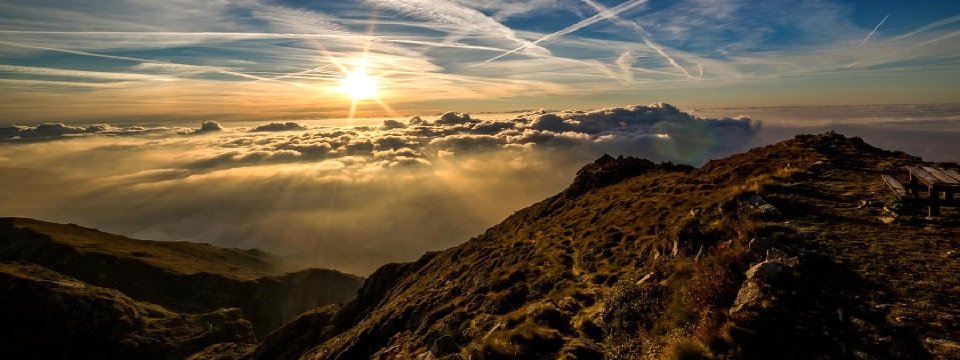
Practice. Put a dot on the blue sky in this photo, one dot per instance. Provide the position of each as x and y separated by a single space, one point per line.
82 61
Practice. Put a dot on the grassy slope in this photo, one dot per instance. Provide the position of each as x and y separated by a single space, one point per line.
175 256
181 276
649 266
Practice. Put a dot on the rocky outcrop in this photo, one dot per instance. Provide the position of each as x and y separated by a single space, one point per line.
50 316
608 170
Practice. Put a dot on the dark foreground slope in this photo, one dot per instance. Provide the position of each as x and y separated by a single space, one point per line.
180 276
779 252
46 315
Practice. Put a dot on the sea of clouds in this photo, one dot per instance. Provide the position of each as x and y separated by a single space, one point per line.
348 198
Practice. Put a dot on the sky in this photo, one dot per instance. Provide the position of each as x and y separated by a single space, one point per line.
139 60
350 134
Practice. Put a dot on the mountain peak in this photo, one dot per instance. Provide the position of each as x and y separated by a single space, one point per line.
608 170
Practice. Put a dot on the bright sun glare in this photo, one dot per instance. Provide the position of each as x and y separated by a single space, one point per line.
359 86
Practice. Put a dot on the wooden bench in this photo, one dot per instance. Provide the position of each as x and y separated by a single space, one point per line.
941 175
953 173
895 185
937 181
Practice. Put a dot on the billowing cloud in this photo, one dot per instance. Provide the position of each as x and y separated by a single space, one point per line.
279 126
208 126
350 198
51 131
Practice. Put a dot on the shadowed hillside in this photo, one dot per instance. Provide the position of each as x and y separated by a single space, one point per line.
50 316
779 252
181 276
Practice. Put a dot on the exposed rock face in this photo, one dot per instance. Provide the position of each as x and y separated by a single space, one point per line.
760 288
608 170
763 209
50 316
184 277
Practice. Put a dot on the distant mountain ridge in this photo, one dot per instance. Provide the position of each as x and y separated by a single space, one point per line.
180 276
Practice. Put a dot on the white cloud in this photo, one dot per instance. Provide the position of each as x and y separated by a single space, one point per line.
350 198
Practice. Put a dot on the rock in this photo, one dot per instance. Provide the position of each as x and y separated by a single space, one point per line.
727 206
644 279
685 235
608 170
759 245
749 295
765 272
763 209
780 257
819 166
444 345
863 325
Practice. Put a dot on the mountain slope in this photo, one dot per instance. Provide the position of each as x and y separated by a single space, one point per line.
50 316
766 254
181 276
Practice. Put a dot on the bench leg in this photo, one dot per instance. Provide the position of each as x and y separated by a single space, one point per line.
934 209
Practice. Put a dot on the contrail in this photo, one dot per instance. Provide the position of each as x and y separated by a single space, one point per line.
148 61
643 35
240 35
930 26
580 25
874 30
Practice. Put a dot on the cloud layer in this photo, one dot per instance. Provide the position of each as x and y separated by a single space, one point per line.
350 198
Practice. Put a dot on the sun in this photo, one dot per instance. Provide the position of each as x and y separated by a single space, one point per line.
359 86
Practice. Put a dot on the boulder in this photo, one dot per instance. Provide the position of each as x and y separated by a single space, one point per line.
765 272
444 345
759 245
762 208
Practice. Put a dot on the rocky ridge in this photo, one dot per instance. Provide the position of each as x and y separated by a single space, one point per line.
764 254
